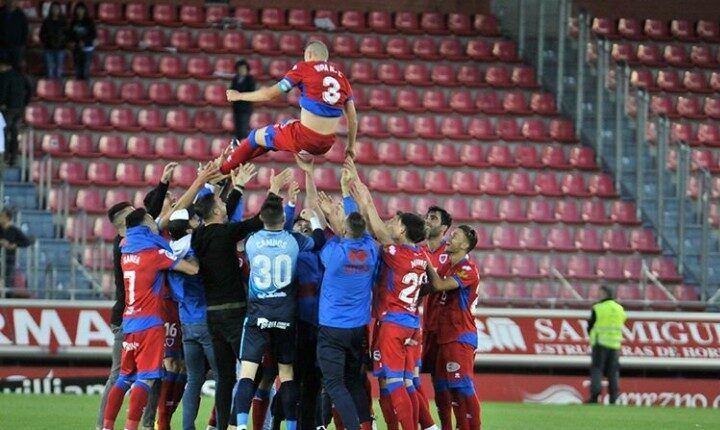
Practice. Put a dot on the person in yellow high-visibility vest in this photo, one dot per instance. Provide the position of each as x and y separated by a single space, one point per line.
605 329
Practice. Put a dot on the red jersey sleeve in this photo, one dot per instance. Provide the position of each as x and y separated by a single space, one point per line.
467 276
164 259
292 78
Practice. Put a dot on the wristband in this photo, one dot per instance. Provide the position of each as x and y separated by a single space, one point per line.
315 223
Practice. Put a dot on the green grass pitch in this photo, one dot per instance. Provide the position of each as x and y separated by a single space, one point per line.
38 412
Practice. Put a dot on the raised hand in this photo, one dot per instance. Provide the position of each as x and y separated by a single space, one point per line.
360 192
292 192
168 172
307 214
278 182
305 163
243 175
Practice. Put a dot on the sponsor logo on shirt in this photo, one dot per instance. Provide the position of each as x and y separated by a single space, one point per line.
130 346
264 323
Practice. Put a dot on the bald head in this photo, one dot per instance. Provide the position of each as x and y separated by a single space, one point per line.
316 51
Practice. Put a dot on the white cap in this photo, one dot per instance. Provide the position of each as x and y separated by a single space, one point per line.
181 214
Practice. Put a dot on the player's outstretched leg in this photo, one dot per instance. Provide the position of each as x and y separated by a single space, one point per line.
386 406
472 407
426 419
138 399
251 147
401 403
414 401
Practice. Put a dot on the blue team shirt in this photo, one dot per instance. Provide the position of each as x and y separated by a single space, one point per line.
272 290
187 290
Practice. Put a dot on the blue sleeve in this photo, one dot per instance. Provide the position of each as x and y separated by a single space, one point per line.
304 243
205 190
328 253
289 217
237 214
350 205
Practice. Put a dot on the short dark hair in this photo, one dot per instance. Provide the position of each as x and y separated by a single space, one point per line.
178 228
356 224
135 218
414 226
116 209
8 212
608 291
272 212
470 235
445 217
241 62
204 206
149 197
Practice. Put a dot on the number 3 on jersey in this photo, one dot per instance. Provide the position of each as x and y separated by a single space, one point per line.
331 95
413 282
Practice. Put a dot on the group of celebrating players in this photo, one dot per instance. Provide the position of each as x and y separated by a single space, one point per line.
315 300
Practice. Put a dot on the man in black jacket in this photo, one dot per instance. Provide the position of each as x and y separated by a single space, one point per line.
15 93
14 32
243 82
215 245
11 238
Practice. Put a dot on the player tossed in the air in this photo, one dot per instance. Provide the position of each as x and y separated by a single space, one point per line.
325 96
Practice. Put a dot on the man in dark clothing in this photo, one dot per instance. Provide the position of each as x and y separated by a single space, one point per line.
242 82
215 245
117 215
11 238
14 31
53 35
15 93
607 320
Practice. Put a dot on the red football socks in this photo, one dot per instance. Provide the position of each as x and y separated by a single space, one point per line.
443 401
112 407
165 401
458 403
426 419
387 410
472 408
243 153
260 404
337 420
138 399
415 402
402 405
212 422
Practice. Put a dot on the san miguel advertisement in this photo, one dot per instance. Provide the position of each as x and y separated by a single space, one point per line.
532 337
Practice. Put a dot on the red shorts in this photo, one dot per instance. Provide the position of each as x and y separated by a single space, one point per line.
393 351
143 353
292 136
429 351
455 364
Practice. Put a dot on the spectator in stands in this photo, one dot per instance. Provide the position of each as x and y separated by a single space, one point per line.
242 82
605 327
82 35
15 93
53 35
11 238
14 31
117 215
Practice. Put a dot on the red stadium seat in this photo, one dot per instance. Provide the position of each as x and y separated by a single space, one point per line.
650 55
433 23
487 25
495 266
89 200
145 66
662 105
623 53
437 182
505 51
489 103
140 147
264 43
189 94
373 47
657 29
492 183
138 14
543 104
151 120
708 134
363 72
49 89
532 239
484 210
540 211
548 262
444 75
643 240
168 148
127 39
409 100
712 107
124 120
630 29
702 56
389 73
708 30
587 239
682 30
515 103
165 15
451 49
418 154
470 76
63 117
193 16
508 130
398 126
179 121
593 211
301 19
161 93
78 91
534 131
353 21
399 47
689 107
435 101
566 212
326 179
425 48
498 76
372 126
601 185
402 204
524 266
380 22
209 41
462 101
511 210
391 153
381 180
101 173
695 82
614 240
199 68
151 175
83 145
95 119
207 121
172 67
546 184
482 129
562 130
669 81
573 184
580 267
381 99
73 172
274 18
248 18
344 46
664 268
451 127
426 127
459 24
234 43
410 181
446 155
417 74
407 22
559 239
675 55
216 14
500 156
609 267
129 175
479 50
112 146
524 77
624 213
582 158
133 93
55 144
465 183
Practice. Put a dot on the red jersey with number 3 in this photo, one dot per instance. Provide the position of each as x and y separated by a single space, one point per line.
145 288
433 304
458 323
324 89
402 275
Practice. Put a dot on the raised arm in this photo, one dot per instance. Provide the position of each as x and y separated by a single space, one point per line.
311 194
333 212
352 123
157 195
188 267
292 193
363 198
262 94
207 174
441 284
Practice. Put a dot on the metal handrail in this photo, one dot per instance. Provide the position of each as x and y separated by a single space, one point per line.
564 283
646 273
